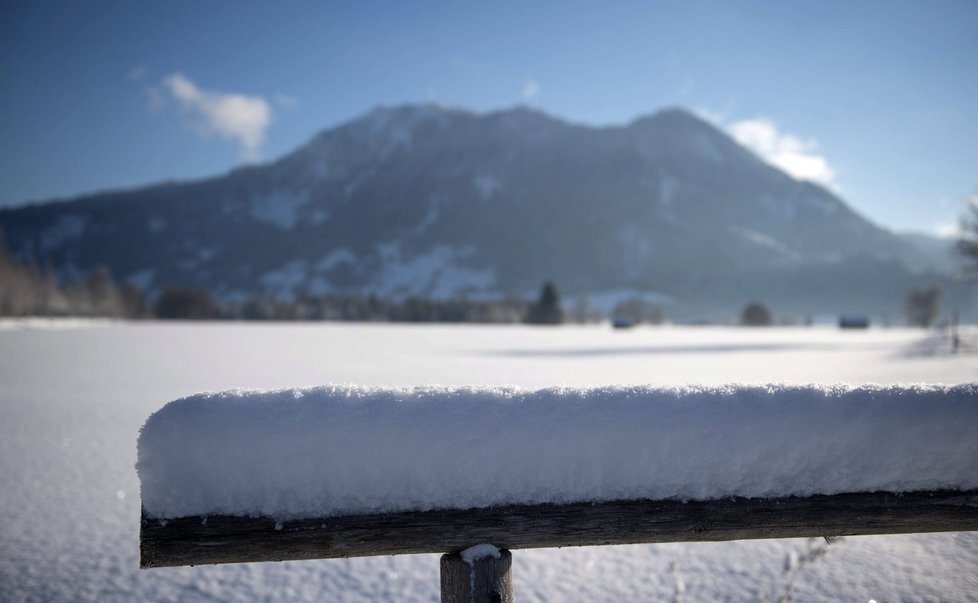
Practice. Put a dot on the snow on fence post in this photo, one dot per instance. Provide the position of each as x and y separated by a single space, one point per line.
479 574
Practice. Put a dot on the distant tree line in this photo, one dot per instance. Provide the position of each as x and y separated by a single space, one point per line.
182 303
28 290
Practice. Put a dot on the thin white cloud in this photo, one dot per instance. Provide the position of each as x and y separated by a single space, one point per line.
154 99
686 87
799 158
286 100
713 117
949 230
236 116
531 89
138 72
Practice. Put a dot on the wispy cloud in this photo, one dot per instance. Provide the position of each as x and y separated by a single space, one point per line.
155 100
286 100
686 88
948 230
798 157
716 118
531 89
236 116
138 72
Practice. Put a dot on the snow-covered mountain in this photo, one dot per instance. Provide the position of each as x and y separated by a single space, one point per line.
420 199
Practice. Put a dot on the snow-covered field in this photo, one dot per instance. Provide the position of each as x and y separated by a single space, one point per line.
73 396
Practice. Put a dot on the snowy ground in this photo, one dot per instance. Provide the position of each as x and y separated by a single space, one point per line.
73 396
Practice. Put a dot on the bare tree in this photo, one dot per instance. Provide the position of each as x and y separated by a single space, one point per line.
923 305
967 244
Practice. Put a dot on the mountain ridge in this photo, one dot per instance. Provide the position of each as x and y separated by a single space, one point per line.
441 202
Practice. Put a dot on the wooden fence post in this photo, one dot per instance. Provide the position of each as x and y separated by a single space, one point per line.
482 579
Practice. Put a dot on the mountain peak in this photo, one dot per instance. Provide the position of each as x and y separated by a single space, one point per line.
383 116
523 111
675 118
678 112
411 110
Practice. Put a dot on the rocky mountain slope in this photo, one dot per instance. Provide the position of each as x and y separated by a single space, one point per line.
425 200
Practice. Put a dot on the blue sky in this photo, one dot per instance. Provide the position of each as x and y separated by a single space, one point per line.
878 100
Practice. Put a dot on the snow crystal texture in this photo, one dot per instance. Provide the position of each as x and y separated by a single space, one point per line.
339 450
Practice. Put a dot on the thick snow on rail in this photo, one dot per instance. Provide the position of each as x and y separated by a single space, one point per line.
339 450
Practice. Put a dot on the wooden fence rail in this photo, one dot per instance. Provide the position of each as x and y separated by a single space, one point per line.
222 539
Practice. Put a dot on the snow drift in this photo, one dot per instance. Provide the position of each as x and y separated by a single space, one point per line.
338 450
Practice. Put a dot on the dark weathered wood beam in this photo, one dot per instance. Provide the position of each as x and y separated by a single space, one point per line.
222 539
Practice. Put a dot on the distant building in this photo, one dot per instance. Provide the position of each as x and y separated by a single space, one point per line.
622 322
853 321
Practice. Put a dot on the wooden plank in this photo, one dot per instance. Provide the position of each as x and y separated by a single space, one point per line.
222 539
485 580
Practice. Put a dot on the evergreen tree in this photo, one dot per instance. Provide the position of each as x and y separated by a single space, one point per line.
180 303
547 310
755 314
